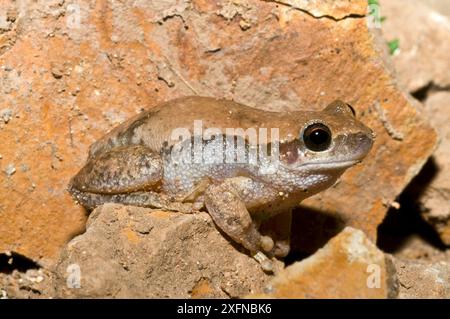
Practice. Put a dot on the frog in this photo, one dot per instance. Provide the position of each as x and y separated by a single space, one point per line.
182 155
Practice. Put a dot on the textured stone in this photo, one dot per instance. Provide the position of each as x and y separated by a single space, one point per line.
72 71
424 44
435 198
442 7
423 64
328 8
419 279
32 284
348 266
130 252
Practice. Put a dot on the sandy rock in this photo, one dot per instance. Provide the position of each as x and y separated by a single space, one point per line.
71 71
32 284
424 44
348 266
423 279
441 6
138 253
435 199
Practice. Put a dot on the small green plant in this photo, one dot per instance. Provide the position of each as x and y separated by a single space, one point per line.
394 46
374 11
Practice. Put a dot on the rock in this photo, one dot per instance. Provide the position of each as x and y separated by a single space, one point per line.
5 115
424 44
348 266
422 66
116 58
442 7
419 279
435 198
129 252
31 284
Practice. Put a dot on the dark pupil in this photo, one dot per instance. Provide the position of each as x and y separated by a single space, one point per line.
317 137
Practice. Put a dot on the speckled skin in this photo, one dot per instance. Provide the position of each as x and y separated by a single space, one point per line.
134 164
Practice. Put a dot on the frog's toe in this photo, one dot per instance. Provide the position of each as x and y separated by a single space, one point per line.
267 243
264 261
281 249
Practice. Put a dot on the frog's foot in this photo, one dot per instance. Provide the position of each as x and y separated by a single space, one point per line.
278 229
281 248
264 261
141 199
278 248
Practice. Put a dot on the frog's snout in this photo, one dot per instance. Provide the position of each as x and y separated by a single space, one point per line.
363 144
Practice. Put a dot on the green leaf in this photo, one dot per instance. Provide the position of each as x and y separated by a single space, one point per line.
394 46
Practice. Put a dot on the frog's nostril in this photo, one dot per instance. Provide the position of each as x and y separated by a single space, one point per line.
352 109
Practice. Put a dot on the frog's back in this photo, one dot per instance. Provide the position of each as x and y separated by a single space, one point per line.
154 127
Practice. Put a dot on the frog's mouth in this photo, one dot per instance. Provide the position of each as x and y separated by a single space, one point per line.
330 165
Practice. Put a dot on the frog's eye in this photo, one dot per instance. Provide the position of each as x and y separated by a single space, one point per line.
317 137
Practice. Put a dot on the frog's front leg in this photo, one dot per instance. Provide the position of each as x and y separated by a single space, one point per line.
230 214
130 175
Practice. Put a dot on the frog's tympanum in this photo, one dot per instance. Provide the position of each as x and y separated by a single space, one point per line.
243 165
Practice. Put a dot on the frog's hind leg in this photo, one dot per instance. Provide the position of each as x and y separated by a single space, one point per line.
121 170
142 199
130 175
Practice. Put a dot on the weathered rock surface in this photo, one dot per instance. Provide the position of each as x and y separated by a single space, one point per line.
69 72
138 253
32 284
442 7
423 64
424 44
435 199
423 279
348 266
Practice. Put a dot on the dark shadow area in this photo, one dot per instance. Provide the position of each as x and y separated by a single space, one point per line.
399 225
421 94
311 230
14 261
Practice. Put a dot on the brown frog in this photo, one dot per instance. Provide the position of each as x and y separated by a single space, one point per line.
244 165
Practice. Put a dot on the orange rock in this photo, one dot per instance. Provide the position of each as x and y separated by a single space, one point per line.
349 266
130 252
71 72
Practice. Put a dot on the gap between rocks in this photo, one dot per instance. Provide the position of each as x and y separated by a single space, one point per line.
424 92
11 261
399 226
